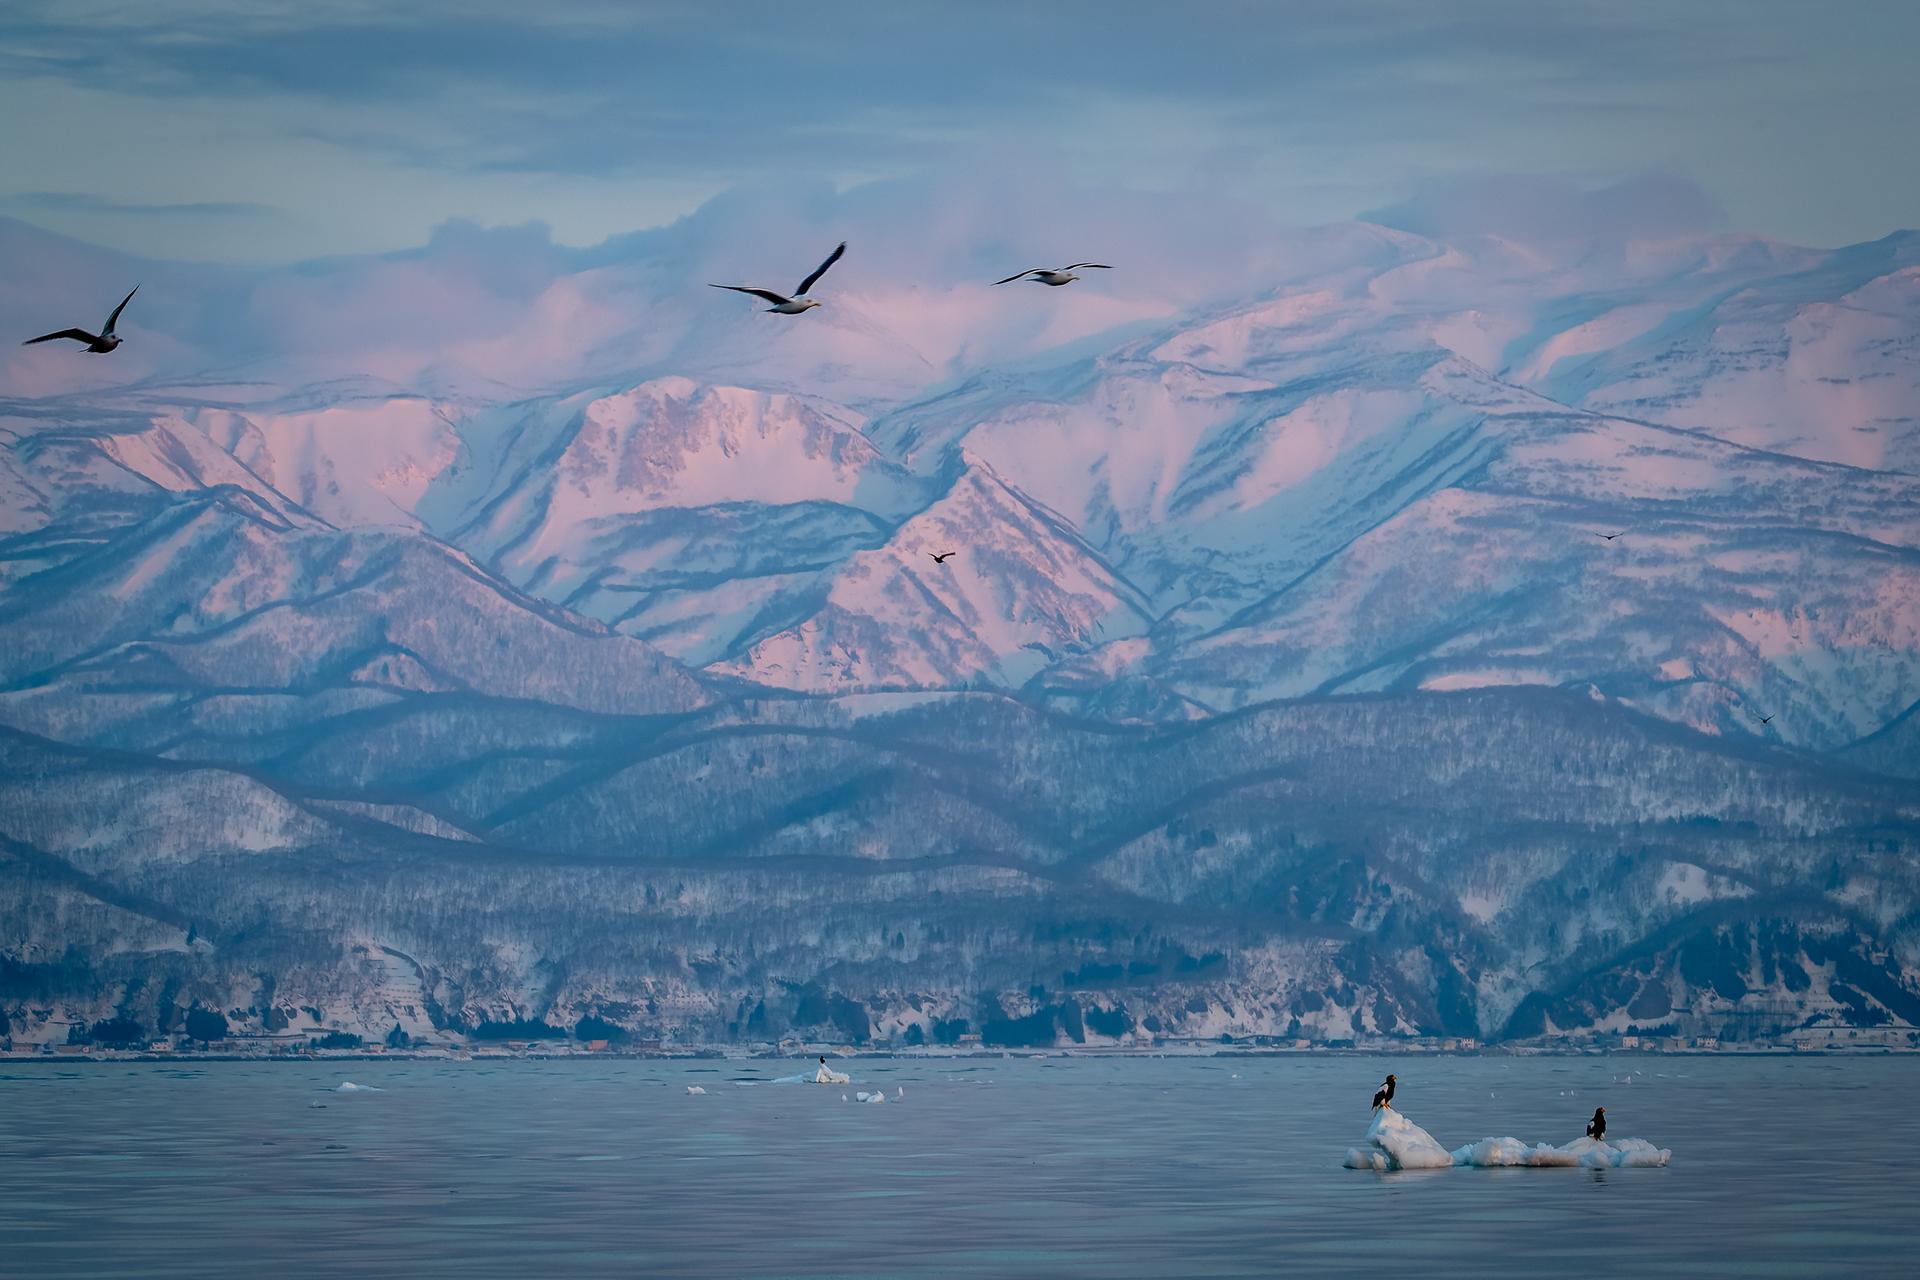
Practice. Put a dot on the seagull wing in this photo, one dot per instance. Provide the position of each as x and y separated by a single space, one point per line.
114 318
768 294
1081 265
1031 271
820 270
78 335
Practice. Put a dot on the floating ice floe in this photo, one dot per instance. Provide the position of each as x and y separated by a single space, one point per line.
694 1090
864 1096
1582 1153
1504 1153
1395 1142
827 1075
348 1086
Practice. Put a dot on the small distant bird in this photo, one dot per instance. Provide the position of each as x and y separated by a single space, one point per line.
799 302
1064 275
1766 719
1384 1097
98 343
941 558
1607 537
1597 1127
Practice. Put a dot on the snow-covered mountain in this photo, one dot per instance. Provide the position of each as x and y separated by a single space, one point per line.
1478 635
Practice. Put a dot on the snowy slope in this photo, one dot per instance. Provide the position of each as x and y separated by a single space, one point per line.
1822 363
1741 585
1021 592
229 587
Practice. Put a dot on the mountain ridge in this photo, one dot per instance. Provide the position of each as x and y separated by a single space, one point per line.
1318 661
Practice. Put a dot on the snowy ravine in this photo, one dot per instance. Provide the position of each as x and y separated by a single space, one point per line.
1447 640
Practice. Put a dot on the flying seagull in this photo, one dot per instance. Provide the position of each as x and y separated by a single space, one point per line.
1765 719
799 302
1055 278
98 343
940 558
1606 537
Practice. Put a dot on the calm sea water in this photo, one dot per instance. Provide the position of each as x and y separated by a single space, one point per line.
1051 1167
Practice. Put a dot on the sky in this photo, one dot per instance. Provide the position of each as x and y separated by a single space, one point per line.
269 131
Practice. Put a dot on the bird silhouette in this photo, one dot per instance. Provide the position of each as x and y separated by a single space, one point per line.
99 343
941 558
1384 1097
799 302
1048 276
1606 537
1765 719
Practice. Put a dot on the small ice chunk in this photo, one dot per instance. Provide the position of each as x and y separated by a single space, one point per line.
1621 1153
348 1086
695 1090
1402 1143
1510 1153
827 1075
1584 1153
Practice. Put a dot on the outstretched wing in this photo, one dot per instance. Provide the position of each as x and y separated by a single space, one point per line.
1021 275
114 318
768 294
1081 265
820 270
78 335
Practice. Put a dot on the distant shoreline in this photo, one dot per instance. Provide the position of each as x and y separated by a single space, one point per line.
719 1055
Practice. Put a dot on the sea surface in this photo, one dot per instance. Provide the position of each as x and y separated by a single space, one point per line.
983 1167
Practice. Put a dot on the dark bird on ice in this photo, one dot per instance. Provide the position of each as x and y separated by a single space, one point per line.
99 343
1044 275
1597 1127
799 302
1384 1097
941 558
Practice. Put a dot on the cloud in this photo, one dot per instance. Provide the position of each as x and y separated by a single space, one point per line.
374 122
80 202
578 88
1550 211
